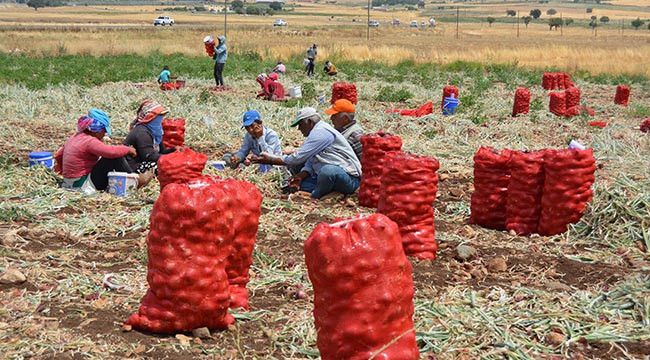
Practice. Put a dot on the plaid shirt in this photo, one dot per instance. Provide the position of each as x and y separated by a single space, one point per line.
352 132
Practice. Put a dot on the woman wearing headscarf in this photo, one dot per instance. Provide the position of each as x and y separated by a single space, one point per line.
85 160
146 137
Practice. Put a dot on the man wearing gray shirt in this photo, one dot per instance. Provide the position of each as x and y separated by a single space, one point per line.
330 164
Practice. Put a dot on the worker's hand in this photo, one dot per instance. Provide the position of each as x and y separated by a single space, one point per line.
132 151
263 158
234 160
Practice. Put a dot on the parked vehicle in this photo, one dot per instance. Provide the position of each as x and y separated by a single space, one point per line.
163 20
395 22
279 22
373 23
414 24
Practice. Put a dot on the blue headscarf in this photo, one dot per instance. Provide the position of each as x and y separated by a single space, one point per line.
100 121
155 126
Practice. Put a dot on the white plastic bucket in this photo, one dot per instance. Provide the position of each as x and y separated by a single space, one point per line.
121 183
295 92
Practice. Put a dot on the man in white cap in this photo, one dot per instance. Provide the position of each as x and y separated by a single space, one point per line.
330 164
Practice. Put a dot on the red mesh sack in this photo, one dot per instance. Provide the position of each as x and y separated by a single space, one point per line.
446 92
645 126
622 95
524 200
491 180
186 272
342 90
568 176
557 104
522 102
363 290
180 166
548 80
375 148
174 132
566 81
245 202
209 48
167 86
423 110
572 97
599 124
408 188
573 111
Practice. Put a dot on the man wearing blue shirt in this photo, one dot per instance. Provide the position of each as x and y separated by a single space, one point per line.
258 139
330 164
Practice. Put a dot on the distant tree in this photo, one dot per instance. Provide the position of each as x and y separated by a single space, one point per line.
236 4
551 12
590 10
568 21
526 20
490 20
604 19
36 4
277 6
536 13
511 13
637 23
593 23
554 23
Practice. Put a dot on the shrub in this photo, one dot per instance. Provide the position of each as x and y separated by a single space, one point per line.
637 23
511 13
551 12
526 20
604 19
490 20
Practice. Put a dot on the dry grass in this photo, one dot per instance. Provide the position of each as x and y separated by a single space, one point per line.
130 32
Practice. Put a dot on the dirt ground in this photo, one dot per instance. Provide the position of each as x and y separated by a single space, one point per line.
580 295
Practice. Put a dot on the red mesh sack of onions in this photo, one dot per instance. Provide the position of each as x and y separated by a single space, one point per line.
568 177
408 189
181 166
343 90
491 180
522 102
622 95
174 132
524 201
375 148
187 248
363 290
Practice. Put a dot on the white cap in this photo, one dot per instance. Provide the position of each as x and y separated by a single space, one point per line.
208 39
304 113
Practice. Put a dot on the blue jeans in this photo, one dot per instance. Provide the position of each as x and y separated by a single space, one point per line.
330 178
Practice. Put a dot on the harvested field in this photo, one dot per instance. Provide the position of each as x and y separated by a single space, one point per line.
582 294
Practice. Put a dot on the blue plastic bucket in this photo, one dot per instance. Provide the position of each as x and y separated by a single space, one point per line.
121 183
449 106
219 165
41 158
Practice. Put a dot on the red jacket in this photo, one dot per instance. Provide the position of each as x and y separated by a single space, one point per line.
81 152
274 90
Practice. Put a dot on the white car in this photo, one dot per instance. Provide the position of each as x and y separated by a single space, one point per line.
373 23
279 22
163 20
414 24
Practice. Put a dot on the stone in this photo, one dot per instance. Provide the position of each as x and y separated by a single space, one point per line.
558 286
497 264
554 339
12 277
202 333
465 252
